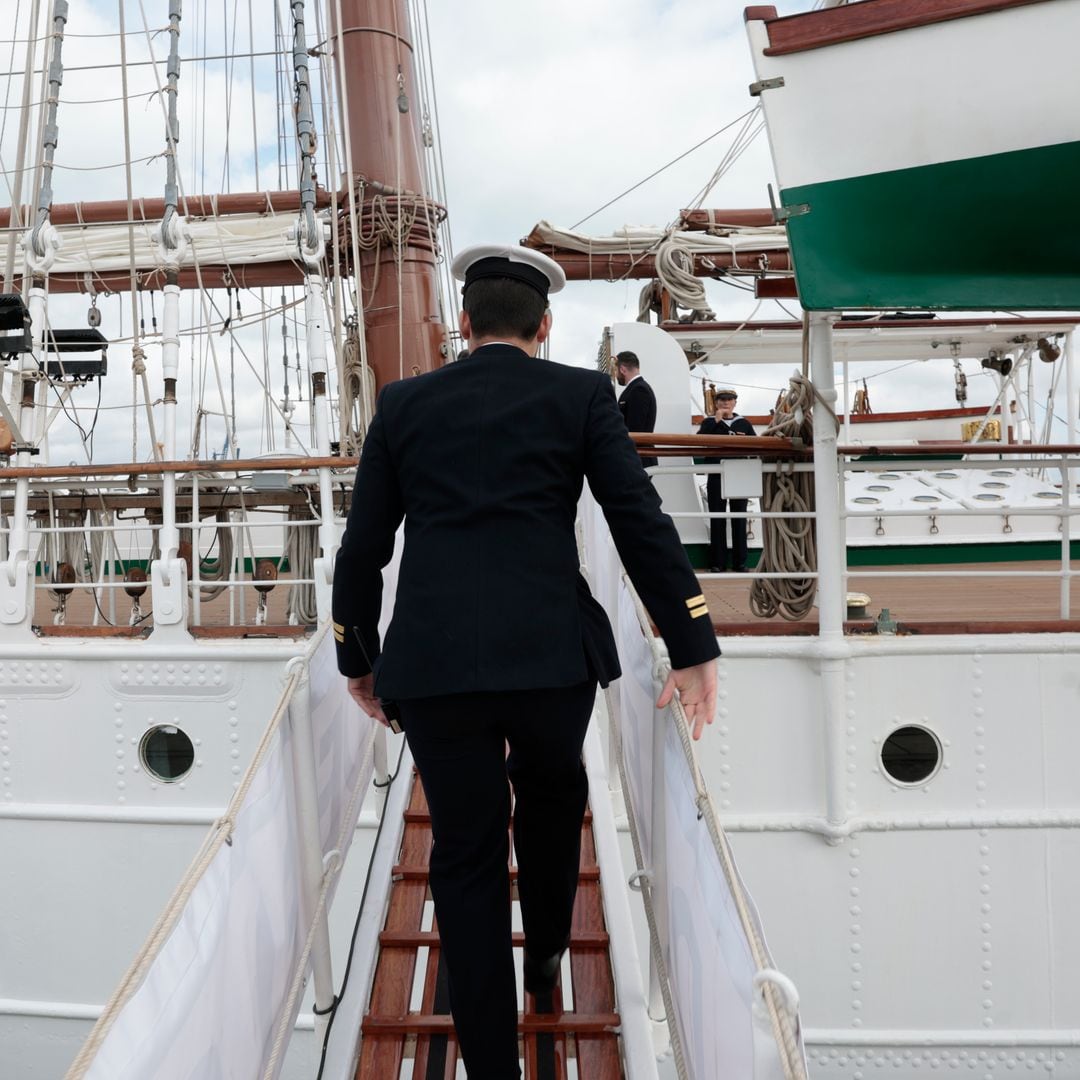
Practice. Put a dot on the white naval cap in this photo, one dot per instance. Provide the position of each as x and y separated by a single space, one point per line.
503 260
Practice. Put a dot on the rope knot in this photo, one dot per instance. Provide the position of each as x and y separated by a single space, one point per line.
138 360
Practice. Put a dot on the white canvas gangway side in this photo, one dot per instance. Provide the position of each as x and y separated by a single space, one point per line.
729 1011
217 986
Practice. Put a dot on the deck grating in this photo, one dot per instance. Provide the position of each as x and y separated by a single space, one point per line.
559 1040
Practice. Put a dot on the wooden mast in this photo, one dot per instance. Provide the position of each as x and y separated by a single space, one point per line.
372 47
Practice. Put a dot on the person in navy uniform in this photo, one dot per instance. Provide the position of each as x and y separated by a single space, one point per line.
726 421
637 402
495 637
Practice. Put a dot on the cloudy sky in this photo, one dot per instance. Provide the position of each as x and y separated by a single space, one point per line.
547 111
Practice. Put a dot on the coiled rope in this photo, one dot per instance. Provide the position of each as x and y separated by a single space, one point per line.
358 388
300 546
788 545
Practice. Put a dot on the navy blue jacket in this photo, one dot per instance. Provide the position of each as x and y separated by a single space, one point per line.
485 460
637 403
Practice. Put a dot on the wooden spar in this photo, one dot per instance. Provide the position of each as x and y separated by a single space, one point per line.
618 266
373 53
704 220
114 211
214 276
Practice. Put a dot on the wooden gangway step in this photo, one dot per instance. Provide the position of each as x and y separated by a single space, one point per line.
578 1039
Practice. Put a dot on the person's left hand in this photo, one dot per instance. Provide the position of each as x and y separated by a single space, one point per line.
362 691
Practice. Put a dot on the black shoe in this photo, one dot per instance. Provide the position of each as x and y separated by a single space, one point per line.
542 975
717 570
742 570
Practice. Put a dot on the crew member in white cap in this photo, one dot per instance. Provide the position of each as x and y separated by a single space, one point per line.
495 637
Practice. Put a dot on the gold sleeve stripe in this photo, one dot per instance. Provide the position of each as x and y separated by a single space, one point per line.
339 628
695 600
697 612
339 637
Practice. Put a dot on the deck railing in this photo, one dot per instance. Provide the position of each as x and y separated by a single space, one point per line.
1062 461
54 506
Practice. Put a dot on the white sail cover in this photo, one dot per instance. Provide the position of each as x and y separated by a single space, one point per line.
242 239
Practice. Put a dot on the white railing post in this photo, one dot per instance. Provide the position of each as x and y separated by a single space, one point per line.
196 557
311 852
1066 539
1072 405
832 558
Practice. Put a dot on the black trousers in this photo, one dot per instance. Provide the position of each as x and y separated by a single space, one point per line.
718 547
459 745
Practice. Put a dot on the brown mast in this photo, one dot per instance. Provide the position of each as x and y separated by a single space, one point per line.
373 51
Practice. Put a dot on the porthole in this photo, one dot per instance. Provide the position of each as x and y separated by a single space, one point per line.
911 755
866 500
996 484
888 476
167 753
926 498
1001 472
947 475
986 496
878 487
1047 495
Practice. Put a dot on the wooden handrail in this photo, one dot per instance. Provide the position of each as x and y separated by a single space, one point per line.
157 468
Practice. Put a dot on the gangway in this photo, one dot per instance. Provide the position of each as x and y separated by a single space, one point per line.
580 1028
252 911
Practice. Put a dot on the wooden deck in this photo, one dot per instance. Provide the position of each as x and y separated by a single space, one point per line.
408 1032
952 604
216 618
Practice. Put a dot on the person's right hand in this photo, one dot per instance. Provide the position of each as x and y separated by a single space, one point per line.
697 692
362 691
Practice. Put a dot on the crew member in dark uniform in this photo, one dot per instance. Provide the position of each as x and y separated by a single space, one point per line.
495 637
637 402
726 421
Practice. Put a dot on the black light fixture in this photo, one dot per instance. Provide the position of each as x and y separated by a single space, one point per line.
996 362
14 325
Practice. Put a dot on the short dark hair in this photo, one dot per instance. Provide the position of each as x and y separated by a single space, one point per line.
628 359
504 306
